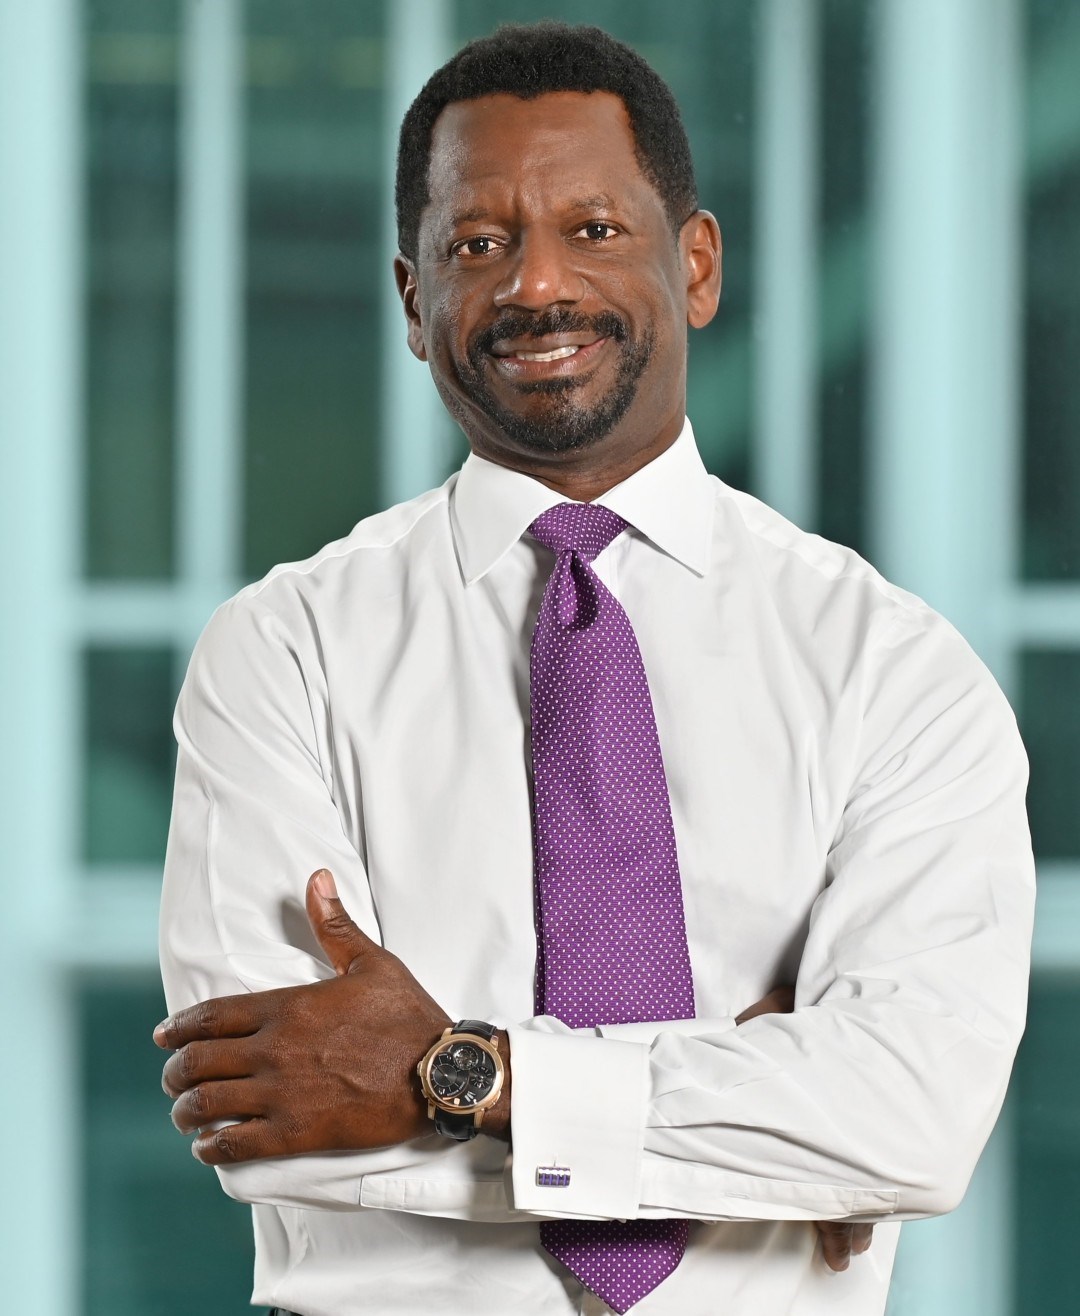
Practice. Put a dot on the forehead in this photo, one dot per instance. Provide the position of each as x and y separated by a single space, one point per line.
504 150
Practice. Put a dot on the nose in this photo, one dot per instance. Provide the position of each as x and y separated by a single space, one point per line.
540 273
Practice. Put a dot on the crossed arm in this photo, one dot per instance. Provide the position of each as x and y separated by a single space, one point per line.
331 1066
870 1100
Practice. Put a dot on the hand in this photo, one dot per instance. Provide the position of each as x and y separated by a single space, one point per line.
781 1000
329 1066
838 1238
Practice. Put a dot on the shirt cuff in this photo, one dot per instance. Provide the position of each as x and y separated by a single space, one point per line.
648 1032
578 1123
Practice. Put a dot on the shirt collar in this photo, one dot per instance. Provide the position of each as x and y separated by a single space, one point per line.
670 501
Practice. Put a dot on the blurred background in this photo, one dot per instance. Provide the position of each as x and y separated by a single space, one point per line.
203 372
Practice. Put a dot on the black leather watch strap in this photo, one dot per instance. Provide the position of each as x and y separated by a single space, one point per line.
461 1127
477 1026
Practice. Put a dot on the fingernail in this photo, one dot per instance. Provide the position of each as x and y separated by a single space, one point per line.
324 884
159 1033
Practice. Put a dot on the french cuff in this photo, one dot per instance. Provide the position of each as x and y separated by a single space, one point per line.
578 1123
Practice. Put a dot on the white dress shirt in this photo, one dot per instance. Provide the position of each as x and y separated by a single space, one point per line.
847 790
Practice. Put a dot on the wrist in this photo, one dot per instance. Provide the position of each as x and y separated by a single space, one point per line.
461 1079
497 1120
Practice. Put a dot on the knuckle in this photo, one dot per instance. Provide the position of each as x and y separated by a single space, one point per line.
338 924
171 1029
204 1019
222 1145
198 1104
186 1062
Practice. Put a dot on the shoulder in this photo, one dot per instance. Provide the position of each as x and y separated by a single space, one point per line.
791 554
845 629
299 605
813 583
388 537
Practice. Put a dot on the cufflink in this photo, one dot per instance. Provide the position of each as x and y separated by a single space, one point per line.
553 1176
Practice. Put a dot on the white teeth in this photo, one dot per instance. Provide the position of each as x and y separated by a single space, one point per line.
558 353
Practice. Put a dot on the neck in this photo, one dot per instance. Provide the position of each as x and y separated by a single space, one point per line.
582 477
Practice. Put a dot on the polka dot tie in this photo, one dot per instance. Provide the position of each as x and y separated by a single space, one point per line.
611 934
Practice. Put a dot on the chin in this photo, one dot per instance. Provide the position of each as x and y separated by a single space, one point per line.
558 420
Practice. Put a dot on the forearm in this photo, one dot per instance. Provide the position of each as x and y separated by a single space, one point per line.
877 1094
834 1112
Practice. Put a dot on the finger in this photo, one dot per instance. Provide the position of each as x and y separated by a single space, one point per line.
835 1243
252 1140
338 935
861 1238
223 1016
230 1099
199 1061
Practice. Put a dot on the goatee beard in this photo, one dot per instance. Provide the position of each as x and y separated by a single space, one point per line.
564 424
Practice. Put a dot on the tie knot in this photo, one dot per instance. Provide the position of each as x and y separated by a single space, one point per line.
583 528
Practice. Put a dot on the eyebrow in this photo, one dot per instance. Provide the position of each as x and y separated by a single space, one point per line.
601 201
469 216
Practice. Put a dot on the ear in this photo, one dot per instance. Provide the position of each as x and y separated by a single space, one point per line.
409 292
702 256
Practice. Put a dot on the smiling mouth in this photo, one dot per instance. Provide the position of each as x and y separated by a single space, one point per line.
556 355
570 362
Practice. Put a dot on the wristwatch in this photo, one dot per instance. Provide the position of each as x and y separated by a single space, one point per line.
461 1078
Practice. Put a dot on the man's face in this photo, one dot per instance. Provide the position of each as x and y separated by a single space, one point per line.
550 295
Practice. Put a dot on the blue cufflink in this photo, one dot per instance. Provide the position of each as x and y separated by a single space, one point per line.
553 1176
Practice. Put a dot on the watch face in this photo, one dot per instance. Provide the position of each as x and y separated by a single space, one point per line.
463 1073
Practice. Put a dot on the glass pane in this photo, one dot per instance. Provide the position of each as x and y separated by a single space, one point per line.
130 755
1046 1102
844 289
1050 719
160 1237
131 125
315 273
712 77
1051 545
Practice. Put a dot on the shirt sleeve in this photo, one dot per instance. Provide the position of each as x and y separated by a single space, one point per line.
253 817
876 1096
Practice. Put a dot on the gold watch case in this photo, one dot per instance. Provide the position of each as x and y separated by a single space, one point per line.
455 1105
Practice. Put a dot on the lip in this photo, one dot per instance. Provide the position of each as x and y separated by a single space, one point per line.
583 358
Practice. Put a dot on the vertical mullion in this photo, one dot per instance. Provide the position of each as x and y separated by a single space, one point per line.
414 425
945 406
40 387
786 249
944 436
210 312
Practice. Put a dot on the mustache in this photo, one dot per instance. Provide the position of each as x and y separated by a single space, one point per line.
555 320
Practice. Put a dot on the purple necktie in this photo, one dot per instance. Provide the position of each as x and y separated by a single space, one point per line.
611 934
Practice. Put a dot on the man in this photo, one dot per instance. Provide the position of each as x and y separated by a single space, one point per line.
841 779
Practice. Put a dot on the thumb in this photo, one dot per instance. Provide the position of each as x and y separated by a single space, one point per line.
338 935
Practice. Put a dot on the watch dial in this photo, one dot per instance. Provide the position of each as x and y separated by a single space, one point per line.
465 1056
464 1072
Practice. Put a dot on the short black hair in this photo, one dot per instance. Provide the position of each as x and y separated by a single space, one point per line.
532 60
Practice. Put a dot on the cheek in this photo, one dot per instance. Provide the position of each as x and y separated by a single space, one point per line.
446 328
649 295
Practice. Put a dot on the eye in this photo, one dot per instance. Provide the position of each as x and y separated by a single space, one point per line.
480 245
598 230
